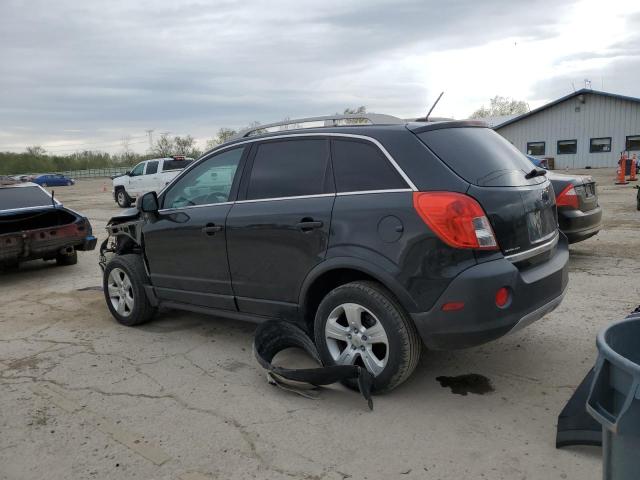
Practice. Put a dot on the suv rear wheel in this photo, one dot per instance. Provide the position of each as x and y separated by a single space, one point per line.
122 198
361 323
123 284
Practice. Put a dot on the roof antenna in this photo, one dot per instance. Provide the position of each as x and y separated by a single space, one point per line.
426 119
53 202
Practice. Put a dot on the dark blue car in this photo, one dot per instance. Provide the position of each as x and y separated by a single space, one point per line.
53 180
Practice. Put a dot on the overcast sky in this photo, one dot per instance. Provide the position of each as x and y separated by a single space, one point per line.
82 74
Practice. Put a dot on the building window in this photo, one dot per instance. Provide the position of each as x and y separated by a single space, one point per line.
598 145
566 147
633 142
535 148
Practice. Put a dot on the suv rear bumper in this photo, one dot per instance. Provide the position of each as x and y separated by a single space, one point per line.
535 291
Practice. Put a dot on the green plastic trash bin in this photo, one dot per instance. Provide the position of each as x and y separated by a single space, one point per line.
614 399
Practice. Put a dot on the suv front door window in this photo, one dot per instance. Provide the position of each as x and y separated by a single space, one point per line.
281 229
209 182
186 247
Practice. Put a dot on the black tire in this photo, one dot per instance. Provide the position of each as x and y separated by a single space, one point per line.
122 198
404 344
133 267
65 260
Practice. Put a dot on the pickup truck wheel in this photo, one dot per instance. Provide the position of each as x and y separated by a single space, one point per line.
122 198
123 284
361 323
67 259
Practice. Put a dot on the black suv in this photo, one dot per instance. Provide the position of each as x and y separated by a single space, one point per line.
374 238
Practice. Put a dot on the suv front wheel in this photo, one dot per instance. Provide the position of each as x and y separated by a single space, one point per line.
123 284
361 323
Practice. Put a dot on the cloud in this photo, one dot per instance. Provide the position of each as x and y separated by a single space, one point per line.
93 72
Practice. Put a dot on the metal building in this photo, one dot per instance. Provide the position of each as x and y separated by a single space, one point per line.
587 128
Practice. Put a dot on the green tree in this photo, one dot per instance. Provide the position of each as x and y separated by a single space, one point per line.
501 106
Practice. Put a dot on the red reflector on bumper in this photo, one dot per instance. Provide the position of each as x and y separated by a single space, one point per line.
502 297
452 306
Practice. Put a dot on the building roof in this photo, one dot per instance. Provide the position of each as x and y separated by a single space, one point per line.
582 91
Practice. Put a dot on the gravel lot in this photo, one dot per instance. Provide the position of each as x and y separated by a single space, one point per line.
183 398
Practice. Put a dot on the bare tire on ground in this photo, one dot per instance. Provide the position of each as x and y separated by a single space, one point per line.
123 284
362 323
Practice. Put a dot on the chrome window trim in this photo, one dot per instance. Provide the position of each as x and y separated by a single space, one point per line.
517 257
298 197
404 176
276 199
365 192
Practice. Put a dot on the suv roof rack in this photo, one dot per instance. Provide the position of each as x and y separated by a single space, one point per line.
327 120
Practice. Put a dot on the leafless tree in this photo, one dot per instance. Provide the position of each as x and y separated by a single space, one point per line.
500 106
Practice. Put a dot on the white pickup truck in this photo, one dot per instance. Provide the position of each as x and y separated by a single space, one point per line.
150 175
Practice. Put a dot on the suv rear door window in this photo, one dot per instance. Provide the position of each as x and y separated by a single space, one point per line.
289 168
361 166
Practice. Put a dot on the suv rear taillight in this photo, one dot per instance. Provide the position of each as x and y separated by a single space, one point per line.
457 219
568 198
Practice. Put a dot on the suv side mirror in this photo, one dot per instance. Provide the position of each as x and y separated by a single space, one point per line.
148 203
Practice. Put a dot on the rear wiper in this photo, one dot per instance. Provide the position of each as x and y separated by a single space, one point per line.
536 172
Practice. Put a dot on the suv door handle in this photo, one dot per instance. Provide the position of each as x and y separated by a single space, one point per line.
211 229
308 225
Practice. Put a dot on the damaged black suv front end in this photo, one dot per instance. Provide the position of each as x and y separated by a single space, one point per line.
125 236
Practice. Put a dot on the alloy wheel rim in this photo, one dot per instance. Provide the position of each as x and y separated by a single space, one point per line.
120 292
120 197
355 336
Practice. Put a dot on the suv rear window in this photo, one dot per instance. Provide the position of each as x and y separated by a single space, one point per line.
175 164
480 156
288 169
360 166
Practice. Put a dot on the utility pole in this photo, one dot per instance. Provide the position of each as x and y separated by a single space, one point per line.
150 134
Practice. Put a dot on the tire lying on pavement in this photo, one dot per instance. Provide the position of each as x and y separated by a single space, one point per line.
123 285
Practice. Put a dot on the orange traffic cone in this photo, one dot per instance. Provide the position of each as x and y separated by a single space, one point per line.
633 176
621 179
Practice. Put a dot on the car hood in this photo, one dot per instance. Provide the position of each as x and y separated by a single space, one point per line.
125 215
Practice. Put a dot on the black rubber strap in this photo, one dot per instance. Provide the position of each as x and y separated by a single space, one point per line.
275 335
